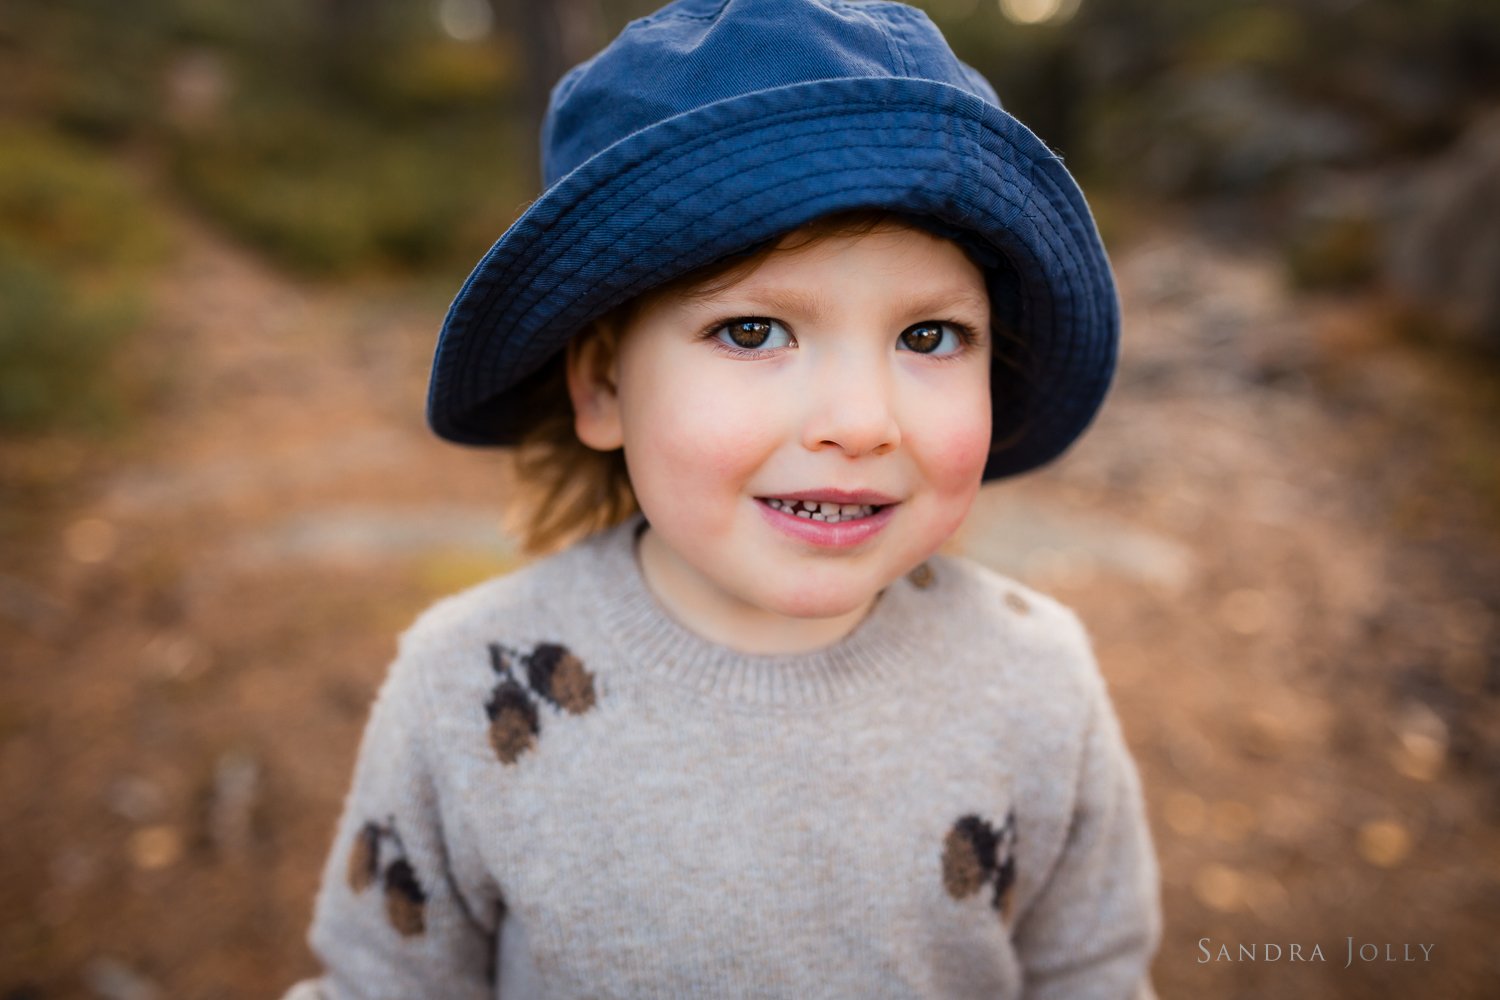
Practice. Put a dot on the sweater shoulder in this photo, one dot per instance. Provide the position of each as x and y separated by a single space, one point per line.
509 607
1031 637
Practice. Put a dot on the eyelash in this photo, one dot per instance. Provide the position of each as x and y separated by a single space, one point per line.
966 335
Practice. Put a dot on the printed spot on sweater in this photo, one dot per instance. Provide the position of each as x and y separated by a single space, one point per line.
405 900
552 674
513 721
921 577
967 853
1017 603
559 676
364 857
975 853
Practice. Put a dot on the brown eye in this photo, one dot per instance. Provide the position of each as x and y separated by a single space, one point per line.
753 333
749 332
929 338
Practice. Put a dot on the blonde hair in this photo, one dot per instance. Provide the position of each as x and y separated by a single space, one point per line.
566 490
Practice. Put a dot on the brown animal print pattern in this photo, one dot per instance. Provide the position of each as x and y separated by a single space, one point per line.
405 899
974 853
551 673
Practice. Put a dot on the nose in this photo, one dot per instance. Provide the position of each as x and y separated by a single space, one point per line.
851 407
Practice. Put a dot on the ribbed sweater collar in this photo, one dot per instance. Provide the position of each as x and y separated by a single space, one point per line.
649 641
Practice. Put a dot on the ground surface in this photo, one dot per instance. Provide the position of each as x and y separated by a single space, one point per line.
1282 534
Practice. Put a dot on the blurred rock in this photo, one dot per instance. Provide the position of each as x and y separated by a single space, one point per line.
1050 547
372 535
112 979
1443 241
1421 742
171 655
236 792
198 84
137 799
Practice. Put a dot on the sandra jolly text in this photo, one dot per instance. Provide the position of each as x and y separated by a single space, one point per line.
1296 951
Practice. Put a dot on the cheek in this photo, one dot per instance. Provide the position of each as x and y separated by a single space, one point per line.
953 471
691 432
954 445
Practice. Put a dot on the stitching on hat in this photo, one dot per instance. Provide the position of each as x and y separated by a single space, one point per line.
673 14
1067 361
912 18
792 206
866 13
655 165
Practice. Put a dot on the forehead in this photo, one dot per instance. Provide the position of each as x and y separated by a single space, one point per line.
888 252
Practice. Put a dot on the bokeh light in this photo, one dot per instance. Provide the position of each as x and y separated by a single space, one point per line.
465 20
1038 11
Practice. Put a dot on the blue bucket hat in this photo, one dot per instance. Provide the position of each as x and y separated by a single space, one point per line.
714 126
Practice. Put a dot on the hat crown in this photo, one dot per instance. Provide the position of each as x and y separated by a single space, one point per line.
694 53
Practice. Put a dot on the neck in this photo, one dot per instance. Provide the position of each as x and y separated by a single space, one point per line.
733 624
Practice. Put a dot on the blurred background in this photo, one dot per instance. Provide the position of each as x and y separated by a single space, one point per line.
228 233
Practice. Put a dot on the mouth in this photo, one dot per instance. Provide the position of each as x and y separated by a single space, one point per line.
827 511
830 519
830 506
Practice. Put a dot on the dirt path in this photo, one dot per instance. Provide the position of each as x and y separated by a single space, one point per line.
1280 533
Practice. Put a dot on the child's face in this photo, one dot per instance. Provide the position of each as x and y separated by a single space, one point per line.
854 371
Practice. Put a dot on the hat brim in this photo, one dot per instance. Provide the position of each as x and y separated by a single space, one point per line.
704 184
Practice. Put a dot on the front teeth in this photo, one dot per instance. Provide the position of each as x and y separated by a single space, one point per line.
815 510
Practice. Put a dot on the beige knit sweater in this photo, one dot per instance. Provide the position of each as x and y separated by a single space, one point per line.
562 792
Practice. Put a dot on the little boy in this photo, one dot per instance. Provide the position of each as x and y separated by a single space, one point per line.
797 285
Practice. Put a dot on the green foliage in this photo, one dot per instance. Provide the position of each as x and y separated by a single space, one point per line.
330 195
1338 252
337 137
1263 36
71 207
55 348
439 76
350 145
75 237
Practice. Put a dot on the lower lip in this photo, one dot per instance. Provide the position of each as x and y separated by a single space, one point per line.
839 535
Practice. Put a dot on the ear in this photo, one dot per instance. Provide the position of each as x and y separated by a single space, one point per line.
591 386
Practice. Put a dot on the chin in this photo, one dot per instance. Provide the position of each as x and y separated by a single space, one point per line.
819 601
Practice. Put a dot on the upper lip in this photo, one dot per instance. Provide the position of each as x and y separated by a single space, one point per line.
865 497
